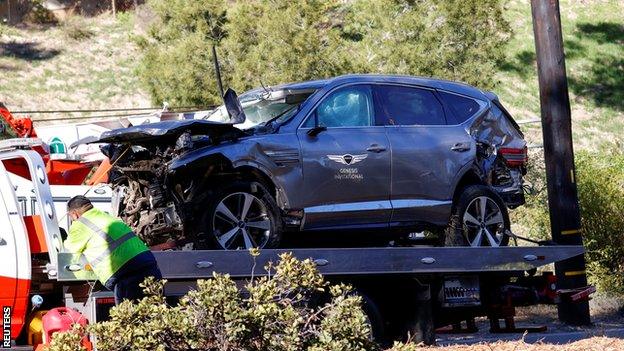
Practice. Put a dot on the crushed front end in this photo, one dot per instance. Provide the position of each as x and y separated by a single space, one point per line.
144 195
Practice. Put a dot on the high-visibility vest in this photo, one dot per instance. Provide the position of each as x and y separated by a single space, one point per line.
106 241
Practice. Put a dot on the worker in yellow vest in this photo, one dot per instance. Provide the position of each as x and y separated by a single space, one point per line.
119 258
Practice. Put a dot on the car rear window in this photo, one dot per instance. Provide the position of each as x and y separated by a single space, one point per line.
410 106
462 107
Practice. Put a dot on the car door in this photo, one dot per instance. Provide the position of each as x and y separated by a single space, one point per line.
346 162
427 153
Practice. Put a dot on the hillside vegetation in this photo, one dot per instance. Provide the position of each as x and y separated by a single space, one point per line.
594 45
272 42
92 63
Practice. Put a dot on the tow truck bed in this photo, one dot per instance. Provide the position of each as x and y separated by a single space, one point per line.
183 265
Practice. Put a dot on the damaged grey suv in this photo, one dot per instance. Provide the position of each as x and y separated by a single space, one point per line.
397 153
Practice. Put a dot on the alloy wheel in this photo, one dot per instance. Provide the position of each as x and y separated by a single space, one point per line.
241 221
483 222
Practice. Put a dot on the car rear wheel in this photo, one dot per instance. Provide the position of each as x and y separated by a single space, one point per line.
242 216
479 218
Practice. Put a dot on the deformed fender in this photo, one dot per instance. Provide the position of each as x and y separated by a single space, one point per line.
196 158
281 198
236 154
496 129
471 166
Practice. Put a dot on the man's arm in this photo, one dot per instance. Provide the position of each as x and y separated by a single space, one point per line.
76 240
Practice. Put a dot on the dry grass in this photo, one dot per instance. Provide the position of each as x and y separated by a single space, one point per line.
77 28
607 314
606 311
591 344
593 33
85 63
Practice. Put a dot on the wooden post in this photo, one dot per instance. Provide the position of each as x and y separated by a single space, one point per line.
114 7
565 218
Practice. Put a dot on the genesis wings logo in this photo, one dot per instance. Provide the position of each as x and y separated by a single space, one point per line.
347 159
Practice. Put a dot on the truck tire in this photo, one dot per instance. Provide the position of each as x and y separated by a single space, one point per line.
373 318
240 215
478 218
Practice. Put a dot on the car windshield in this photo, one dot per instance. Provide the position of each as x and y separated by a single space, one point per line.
264 106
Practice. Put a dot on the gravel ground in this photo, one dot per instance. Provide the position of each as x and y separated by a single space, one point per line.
607 318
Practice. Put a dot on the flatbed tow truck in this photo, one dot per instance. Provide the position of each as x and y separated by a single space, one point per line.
406 290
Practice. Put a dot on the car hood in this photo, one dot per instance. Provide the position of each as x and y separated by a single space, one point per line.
167 131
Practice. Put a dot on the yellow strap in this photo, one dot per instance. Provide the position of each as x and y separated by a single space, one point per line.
573 273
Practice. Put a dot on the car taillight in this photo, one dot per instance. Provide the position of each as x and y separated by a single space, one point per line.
514 157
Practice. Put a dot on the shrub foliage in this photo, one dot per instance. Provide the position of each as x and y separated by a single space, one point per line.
601 192
600 179
177 60
281 311
270 42
454 39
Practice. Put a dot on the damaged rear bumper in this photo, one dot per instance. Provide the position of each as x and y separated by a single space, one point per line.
512 197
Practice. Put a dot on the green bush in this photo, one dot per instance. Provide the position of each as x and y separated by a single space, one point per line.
533 217
600 178
601 193
39 14
454 39
177 65
67 341
270 42
270 313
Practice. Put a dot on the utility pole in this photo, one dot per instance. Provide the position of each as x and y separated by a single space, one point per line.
565 221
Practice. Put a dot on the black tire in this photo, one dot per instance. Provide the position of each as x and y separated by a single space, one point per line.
215 224
459 232
373 318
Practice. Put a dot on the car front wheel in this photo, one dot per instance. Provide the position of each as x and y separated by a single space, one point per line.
479 218
242 216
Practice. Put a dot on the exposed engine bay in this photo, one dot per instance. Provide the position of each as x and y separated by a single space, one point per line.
141 200
142 195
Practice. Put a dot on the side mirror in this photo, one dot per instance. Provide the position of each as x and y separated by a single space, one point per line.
233 107
316 130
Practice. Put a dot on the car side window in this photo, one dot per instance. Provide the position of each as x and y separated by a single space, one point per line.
462 107
350 106
408 106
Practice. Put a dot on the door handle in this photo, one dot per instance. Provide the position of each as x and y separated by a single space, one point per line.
461 147
376 148
316 130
